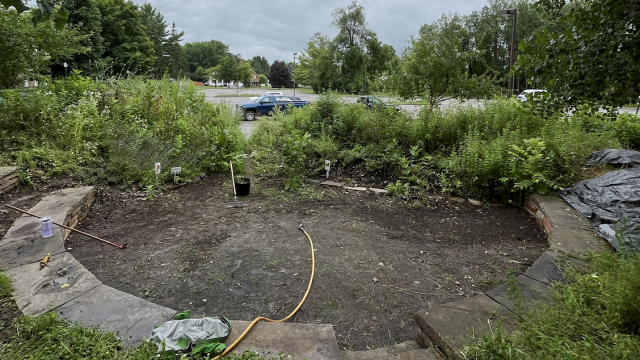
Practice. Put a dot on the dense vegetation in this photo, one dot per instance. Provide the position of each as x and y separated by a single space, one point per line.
500 150
115 130
48 336
594 316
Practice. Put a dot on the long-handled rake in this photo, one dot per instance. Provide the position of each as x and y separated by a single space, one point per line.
235 203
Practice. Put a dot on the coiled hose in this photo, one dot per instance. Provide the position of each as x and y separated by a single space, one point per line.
262 318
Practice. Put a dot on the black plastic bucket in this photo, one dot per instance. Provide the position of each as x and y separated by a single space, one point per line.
243 186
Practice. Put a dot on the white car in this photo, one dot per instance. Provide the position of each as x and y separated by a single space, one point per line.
267 93
530 93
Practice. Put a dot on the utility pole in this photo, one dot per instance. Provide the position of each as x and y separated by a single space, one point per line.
237 72
294 73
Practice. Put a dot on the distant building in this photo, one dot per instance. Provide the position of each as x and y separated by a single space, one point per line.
255 79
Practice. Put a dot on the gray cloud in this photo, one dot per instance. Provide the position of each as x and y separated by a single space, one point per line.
276 29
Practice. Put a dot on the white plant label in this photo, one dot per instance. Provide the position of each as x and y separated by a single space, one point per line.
176 170
327 165
157 168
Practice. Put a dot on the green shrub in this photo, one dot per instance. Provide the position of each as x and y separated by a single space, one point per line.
48 336
501 150
118 129
594 316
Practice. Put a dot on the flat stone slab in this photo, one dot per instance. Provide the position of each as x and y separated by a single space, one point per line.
8 178
332 183
576 241
300 341
40 290
356 188
7 170
409 350
545 269
379 191
109 309
450 325
23 243
560 213
530 289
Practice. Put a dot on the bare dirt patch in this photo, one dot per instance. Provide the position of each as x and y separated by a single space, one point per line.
378 259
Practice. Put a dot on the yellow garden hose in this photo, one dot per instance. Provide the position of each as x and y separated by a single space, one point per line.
313 267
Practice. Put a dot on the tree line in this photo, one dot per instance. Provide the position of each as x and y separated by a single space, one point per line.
100 38
580 51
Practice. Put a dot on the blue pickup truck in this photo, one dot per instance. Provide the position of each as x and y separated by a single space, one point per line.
267 104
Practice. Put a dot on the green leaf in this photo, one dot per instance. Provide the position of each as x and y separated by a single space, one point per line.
17 4
61 18
46 7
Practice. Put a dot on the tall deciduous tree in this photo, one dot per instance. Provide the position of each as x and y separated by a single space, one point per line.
279 75
200 74
228 67
125 40
350 45
490 36
207 54
317 67
245 73
435 64
28 50
592 54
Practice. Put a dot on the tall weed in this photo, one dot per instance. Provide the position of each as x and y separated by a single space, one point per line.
500 150
594 316
118 128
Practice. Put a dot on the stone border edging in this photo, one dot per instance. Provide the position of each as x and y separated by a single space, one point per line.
74 293
449 325
8 178
65 286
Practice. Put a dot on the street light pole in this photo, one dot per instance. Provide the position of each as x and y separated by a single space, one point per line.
294 73
513 12
65 69
237 72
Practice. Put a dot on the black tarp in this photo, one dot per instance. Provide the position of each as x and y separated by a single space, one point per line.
611 201
614 157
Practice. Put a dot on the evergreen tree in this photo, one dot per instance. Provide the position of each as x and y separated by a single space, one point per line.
127 46
260 64
207 54
177 62
85 18
156 29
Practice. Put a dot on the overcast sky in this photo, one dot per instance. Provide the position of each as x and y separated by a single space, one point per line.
276 29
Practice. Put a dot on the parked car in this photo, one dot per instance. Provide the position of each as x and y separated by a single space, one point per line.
530 94
373 103
206 84
265 105
265 94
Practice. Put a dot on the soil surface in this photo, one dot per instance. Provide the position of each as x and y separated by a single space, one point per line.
378 258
